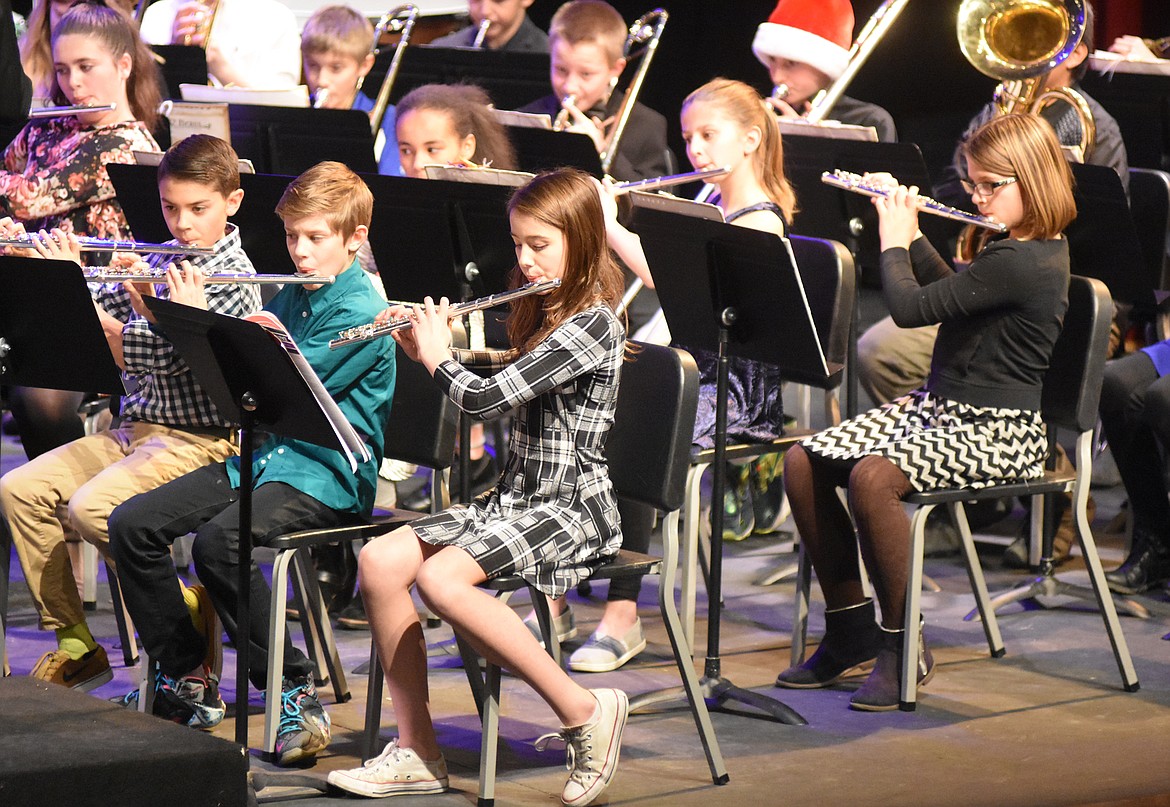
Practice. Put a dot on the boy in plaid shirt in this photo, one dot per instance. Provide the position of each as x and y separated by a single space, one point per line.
169 426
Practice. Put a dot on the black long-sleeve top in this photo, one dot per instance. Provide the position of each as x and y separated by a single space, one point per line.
998 319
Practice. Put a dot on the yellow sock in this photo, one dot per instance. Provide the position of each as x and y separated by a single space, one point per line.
191 599
76 640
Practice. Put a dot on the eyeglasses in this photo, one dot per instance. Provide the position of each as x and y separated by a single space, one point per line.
985 189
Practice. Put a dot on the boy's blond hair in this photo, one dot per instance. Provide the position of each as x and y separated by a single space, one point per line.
590 21
338 29
330 190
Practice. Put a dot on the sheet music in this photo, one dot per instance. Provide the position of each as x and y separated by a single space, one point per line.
356 451
827 128
292 96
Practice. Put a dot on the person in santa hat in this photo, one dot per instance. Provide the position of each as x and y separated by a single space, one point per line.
805 46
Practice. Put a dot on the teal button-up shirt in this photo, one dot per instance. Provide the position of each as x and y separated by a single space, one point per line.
359 377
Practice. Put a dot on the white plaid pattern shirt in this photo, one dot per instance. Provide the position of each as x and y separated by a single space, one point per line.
167 392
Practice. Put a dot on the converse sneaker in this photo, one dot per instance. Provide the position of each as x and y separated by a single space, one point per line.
192 700
89 671
395 771
592 749
304 726
604 653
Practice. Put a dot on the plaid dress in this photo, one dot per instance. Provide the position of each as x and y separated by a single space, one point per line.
552 517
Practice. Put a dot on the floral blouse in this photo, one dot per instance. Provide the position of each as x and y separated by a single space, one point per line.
54 175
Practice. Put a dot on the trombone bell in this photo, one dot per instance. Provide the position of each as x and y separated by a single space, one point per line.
1026 33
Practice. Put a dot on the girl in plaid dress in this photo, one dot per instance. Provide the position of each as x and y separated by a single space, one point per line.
976 421
551 518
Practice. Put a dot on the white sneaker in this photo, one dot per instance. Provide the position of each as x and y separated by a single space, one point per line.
592 749
604 653
395 771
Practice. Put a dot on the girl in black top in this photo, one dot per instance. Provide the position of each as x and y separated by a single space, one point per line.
975 422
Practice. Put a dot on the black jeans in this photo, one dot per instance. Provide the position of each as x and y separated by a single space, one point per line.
1135 413
142 530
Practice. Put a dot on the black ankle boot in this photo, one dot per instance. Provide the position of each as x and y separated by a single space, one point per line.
852 640
1147 566
881 692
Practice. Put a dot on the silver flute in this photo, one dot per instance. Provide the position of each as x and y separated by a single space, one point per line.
374 330
62 111
848 181
113 245
104 276
653 183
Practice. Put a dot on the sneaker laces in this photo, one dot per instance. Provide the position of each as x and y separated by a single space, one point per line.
391 753
577 747
290 708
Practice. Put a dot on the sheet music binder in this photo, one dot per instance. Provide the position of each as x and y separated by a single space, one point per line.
701 267
1102 239
230 356
50 335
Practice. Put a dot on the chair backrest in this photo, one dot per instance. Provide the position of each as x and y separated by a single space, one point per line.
422 424
1072 385
649 446
830 284
1149 198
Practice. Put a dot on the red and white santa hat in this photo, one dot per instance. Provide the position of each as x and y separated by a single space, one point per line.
816 32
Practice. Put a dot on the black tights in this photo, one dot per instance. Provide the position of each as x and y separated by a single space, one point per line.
875 490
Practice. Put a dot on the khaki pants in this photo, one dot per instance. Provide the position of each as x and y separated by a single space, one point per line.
71 491
891 360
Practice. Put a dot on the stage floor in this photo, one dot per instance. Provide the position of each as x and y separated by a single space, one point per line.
1048 724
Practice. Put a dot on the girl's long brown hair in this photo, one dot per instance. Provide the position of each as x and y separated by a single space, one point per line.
568 200
118 35
36 46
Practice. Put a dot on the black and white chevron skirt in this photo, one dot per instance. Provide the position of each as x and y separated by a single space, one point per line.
940 443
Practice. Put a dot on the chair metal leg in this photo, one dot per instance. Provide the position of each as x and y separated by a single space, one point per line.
909 685
122 617
978 584
373 703
489 738
800 614
274 686
89 567
690 551
318 629
683 653
5 569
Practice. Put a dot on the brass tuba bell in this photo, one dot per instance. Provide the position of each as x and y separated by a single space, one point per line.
1019 42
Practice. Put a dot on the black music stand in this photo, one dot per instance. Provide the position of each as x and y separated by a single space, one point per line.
543 150
289 140
1102 240
732 291
441 238
252 381
510 79
181 64
1141 105
50 335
